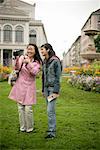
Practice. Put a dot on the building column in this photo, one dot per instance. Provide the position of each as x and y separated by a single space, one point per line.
13 60
26 34
1 56
13 36
38 37
1 35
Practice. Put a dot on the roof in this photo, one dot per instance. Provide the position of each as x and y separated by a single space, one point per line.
97 12
27 3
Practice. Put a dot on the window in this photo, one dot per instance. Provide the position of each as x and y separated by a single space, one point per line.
32 36
19 34
1 1
99 23
7 33
0 35
7 57
98 18
99 26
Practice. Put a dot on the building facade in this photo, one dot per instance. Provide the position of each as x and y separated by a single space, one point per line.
73 57
18 27
92 23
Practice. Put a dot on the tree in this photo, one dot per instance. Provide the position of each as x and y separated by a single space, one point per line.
97 43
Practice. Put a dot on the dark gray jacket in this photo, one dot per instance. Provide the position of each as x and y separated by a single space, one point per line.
51 74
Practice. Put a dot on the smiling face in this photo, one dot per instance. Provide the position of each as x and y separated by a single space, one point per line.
44 52
30 51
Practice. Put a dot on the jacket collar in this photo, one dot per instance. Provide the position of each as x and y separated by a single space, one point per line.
51 59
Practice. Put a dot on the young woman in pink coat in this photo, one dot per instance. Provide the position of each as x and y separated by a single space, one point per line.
24 90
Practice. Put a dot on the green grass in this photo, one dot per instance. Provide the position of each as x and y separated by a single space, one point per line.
78 121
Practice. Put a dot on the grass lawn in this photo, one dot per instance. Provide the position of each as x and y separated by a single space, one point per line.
78 121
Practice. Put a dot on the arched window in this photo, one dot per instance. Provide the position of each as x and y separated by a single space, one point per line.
7 33
19 34
32 36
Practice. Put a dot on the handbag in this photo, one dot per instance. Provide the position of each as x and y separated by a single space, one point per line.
14 76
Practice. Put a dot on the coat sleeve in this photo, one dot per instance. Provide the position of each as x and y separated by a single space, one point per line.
18 63
33 68
57 68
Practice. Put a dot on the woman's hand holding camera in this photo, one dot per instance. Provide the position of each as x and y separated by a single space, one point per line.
26 60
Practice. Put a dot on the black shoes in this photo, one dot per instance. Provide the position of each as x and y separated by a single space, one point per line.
49 136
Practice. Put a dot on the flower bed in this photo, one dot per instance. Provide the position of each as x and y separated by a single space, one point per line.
91 70
85 77
87 83
4 72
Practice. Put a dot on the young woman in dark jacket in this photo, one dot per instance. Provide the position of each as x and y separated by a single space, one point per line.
51 72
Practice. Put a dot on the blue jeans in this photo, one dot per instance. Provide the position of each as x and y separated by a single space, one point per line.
51 112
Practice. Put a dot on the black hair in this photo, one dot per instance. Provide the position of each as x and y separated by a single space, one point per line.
37 55
48 46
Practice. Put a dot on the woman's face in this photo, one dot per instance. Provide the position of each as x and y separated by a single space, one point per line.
44 52
30 51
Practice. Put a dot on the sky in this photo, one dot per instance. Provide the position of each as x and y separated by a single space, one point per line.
63 20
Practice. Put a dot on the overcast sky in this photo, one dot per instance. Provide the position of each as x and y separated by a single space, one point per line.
63 20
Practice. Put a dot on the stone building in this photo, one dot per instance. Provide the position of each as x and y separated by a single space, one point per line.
92 23
73 57
18 27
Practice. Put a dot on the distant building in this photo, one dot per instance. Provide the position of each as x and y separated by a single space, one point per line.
72 57
93 22
18 27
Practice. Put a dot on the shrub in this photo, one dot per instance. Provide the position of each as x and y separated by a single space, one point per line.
4 72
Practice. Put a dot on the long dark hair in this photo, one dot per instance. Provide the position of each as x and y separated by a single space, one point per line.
48 47
37 55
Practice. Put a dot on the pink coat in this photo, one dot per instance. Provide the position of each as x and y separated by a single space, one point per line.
24 91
